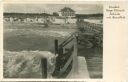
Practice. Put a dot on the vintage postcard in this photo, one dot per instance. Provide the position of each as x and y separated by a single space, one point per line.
63 41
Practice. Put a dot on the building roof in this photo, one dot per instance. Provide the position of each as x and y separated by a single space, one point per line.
65 9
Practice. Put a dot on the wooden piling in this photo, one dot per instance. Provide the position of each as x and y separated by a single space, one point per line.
44 67
56 46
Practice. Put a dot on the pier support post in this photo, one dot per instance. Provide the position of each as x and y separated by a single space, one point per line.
44 67
56 46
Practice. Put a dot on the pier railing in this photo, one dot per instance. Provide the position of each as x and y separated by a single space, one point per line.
67 54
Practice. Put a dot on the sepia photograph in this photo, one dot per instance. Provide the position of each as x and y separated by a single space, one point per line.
53 41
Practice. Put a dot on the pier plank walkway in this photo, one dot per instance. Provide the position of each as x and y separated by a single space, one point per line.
82 71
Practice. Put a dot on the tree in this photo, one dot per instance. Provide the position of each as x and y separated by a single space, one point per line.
55 14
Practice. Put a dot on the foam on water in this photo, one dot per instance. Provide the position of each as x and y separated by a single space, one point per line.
26 64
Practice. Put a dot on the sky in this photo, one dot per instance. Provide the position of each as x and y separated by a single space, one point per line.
50 8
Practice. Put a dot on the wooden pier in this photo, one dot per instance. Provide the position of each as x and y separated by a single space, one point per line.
68 64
